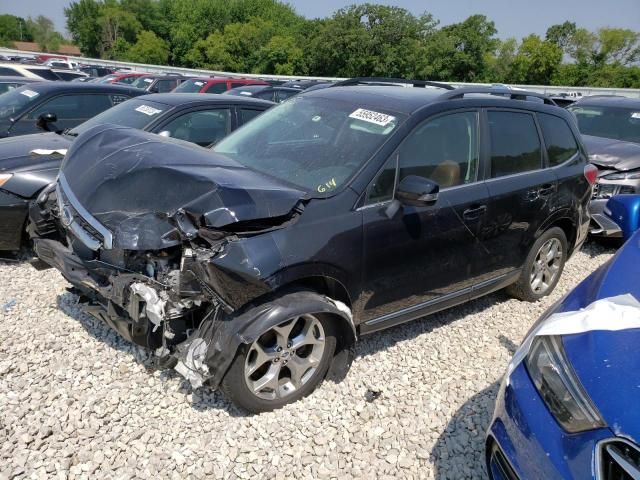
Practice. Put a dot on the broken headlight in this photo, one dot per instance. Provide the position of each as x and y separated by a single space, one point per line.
559 386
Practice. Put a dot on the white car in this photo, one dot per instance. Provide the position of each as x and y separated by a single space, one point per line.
57 63
26 70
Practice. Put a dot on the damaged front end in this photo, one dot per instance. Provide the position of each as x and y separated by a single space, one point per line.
167 265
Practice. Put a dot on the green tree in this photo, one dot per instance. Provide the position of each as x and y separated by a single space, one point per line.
281 56
498 65
536 62
82 23
44 33
149 48
469 44
367 40
561 34
116 25
13 28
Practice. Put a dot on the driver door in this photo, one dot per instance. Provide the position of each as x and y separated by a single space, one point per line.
421 257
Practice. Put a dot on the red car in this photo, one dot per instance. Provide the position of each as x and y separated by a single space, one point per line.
214 84
121 77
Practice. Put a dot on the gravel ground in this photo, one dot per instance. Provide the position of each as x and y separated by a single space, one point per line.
77 402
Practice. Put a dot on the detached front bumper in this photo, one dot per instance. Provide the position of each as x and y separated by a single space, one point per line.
526 438
602 225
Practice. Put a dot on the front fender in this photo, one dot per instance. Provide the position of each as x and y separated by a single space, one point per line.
207 354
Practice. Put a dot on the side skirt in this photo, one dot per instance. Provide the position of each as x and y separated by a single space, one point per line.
438 304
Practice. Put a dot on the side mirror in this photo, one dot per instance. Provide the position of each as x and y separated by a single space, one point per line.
46 122
417 191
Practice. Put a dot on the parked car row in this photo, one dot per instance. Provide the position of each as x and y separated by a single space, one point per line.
255 264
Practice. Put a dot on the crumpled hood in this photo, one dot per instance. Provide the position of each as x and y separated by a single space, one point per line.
608 362
134 182
607 152
15 153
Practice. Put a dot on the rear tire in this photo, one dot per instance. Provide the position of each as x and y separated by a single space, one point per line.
286 363
543 267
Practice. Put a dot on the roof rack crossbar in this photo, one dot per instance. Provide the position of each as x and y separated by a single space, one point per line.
513 94
379 80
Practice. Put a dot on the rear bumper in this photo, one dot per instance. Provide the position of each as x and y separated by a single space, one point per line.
525 435
13 215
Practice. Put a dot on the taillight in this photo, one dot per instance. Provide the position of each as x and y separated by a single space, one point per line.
591 174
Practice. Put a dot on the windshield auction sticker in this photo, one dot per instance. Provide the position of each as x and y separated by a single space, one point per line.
370 116
635 115
29 93
147 110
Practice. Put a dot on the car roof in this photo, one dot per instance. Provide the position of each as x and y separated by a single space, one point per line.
7 79
400 99
62 87
609 101
179 99
24 65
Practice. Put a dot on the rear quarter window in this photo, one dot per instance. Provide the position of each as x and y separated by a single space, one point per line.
558 138
217 88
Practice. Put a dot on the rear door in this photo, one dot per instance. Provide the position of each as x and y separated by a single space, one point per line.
521 190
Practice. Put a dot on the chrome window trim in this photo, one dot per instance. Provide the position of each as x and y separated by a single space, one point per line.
90 219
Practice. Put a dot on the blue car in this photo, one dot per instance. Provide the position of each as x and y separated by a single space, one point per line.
569 406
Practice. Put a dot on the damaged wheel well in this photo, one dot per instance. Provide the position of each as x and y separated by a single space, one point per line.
569 230
328 286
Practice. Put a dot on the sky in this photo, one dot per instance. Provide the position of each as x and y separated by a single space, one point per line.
513 18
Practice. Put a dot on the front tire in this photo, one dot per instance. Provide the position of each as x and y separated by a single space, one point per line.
286 363
542 268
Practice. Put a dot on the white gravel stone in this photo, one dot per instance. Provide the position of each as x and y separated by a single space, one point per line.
77 402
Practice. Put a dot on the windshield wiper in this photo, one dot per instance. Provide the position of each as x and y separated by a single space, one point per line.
67 131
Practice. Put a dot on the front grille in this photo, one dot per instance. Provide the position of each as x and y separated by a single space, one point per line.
619 460
499 466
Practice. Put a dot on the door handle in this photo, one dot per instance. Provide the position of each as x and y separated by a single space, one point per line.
474 213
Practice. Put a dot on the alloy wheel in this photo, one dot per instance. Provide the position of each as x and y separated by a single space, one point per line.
546 266
285 357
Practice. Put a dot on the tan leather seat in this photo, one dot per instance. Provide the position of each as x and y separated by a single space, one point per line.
446 174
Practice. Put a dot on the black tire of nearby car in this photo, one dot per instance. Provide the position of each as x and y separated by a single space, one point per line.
522 288
235 388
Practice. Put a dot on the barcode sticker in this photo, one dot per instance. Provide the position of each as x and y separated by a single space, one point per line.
29 93
370 116
147 110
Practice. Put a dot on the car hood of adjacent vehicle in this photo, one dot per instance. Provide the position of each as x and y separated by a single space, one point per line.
608 152
136 184
16 156
608 362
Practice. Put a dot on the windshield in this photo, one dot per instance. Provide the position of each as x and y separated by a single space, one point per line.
618 123
314 143
142 82
190 86
135 113
14 102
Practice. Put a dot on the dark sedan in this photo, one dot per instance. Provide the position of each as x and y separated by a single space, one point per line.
29 163
56 105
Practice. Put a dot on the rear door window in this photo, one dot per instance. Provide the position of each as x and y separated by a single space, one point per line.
515 145
202 127
219 87
558 138
164 86
246 115
44 73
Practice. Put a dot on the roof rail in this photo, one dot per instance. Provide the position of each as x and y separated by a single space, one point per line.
386 80
513 94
